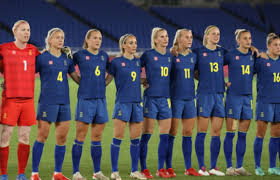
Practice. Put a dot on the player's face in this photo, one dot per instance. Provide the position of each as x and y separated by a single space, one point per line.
57 40
130 45
185 40
162 39
22 33
213 36
274 47
95 39
245 40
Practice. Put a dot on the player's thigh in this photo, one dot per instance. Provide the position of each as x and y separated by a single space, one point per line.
27 116
187 126
216 125
119 128
135 129
202 124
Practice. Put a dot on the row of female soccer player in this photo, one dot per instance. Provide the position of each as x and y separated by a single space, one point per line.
163 69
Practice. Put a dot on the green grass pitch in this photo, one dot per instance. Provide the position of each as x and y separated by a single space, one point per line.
47 162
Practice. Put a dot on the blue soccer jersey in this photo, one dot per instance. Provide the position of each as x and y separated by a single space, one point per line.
241 71
268 80
158 67
92 69
127 79
211 73
182 77
53 74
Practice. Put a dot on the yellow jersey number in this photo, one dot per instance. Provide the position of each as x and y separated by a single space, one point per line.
97 71
59 76
214 67
187 73
164 71
133 75
276 77
245 69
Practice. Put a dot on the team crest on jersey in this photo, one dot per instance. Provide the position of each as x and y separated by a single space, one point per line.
120 113
219 53
30 52
236 57
14 52
262 114
102 58
81 114
146 110
200 109
191 60
123 64
251 58
178 60
230 111
155 58
4 115
87 58
137 63
65 63
44 114
169 59
268 64
50 62
204 54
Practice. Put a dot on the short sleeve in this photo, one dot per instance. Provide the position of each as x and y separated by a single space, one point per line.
112 69
76 58
143 59
37 64
71 66
258 65
227 58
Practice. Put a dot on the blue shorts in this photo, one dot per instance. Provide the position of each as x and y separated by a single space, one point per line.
239 107
128 112
157 108
183 109
54 112
209 105
92 111
268 112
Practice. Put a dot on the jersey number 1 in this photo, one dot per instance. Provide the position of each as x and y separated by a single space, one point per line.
25 65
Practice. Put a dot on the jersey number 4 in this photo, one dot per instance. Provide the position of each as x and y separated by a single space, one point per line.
59 76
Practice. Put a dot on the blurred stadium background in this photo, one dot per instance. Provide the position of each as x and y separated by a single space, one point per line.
115 18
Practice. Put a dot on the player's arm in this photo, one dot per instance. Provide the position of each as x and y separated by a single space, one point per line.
76 77
108 79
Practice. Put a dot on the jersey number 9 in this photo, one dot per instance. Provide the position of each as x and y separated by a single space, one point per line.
133 75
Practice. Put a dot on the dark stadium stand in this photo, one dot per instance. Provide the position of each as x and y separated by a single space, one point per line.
43 16
197 19
271 14
121 17
246 12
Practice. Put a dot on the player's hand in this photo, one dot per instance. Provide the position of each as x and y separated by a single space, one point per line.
255 51
263 55
228 84
146 85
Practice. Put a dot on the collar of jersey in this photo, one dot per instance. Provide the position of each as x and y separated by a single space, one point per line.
92 53
273 58
242 52
55 56
160 53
